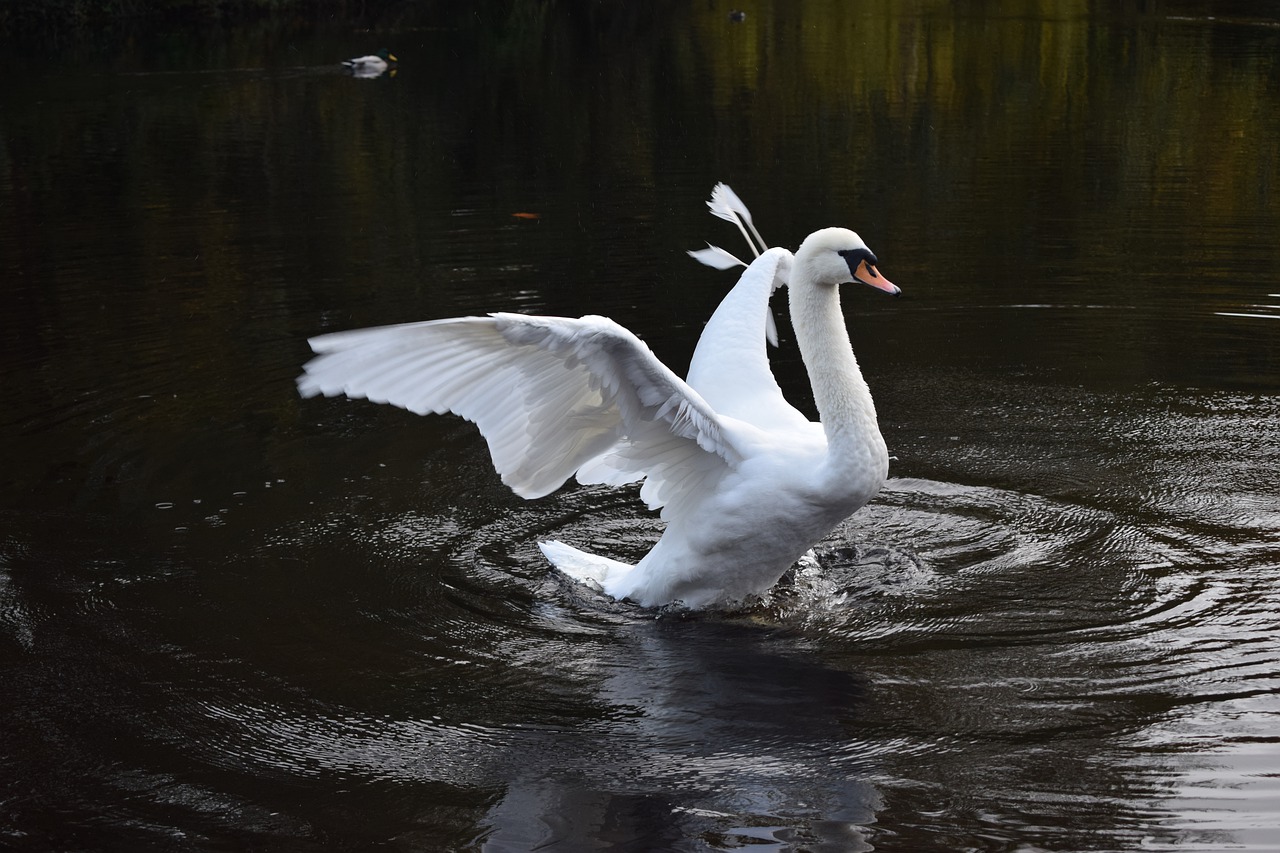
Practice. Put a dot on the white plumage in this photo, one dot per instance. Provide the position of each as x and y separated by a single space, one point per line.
372 65
746 484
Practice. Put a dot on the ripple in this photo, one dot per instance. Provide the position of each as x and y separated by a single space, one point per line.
957 568
927 559
273 740
947 626
18 618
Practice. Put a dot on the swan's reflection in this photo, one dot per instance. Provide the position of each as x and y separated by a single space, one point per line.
717 730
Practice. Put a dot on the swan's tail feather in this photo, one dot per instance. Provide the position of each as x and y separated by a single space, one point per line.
591 569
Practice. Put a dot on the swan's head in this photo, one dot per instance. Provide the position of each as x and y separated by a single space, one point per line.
835 256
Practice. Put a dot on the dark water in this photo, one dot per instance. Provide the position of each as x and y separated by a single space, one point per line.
233 619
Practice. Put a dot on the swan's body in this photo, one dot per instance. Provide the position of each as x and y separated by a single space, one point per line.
745 482
371 65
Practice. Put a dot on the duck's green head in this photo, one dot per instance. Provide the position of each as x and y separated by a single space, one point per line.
387 55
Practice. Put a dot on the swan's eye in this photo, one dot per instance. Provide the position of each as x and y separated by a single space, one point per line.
853 257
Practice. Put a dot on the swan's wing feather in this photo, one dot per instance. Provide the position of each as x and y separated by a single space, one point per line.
676 475
714 256
549 394
725 204
730 366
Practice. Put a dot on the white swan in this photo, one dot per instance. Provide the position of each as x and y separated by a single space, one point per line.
746 483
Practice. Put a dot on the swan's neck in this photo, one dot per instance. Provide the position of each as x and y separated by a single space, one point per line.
844 402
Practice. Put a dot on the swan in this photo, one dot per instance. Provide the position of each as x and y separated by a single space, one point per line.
371 65
745 482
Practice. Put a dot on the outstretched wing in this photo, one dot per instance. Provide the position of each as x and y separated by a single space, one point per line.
730 367
549 394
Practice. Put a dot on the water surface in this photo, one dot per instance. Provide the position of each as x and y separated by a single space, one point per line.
232 618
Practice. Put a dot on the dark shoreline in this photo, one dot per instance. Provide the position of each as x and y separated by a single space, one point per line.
69 18
81 22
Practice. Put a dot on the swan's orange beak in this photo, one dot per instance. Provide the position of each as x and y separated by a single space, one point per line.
868 274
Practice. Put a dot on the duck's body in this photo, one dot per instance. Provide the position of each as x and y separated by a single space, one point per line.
745 482
371 65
